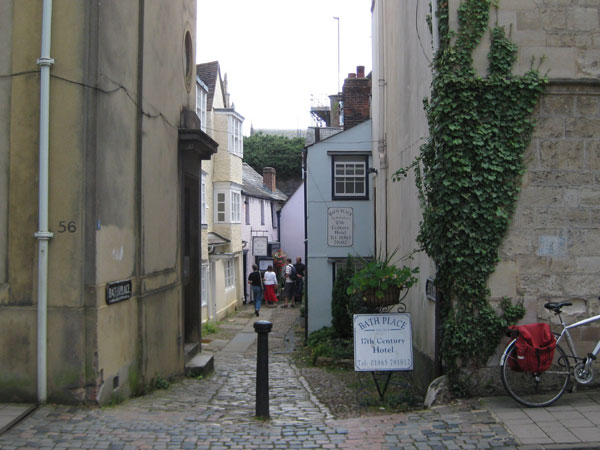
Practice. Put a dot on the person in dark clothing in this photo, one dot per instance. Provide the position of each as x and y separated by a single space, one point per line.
300 268
255 281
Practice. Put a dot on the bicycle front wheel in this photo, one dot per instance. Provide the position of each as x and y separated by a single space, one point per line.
535 389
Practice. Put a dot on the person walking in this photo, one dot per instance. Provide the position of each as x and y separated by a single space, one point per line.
300 268
289 286
255 281
270 281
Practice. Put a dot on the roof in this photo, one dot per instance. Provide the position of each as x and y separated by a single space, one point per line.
216 239
252 185
209 73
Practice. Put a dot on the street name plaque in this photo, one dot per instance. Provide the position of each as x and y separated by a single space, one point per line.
118 291
382 342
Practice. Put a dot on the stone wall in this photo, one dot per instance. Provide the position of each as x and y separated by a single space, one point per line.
552 250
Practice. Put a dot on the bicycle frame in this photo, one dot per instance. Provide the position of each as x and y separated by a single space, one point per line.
569 339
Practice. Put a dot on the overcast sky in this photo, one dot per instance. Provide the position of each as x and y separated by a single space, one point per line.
280 54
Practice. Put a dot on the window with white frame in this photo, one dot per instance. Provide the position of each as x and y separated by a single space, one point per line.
203 205
236 143
229 274
201 102
236 207
228 199
349 180
204 284
262 212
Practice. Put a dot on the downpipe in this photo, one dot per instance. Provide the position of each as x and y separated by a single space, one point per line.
43 235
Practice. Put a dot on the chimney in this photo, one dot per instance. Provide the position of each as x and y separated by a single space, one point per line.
356 98
269 178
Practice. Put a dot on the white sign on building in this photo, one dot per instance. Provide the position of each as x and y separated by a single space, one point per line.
339 227
382 342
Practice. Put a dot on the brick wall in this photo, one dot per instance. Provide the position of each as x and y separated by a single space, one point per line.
552 250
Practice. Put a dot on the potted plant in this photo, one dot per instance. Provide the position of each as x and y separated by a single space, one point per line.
380 282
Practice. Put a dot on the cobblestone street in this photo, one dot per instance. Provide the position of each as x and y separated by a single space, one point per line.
217 412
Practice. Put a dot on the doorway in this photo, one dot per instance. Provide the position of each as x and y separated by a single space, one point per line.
192 311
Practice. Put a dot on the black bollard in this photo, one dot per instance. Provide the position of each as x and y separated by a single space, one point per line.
263 328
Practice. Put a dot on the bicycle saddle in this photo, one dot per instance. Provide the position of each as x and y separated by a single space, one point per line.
556 306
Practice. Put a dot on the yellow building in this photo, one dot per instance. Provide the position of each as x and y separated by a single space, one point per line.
119 295
222 250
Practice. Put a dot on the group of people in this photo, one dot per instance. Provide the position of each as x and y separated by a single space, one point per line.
266 285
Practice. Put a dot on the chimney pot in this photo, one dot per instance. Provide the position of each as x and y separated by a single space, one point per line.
351 75
360 71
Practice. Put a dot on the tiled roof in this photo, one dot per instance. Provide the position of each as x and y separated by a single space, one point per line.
209 74
252 185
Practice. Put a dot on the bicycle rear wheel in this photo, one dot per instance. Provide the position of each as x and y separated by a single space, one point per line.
535 389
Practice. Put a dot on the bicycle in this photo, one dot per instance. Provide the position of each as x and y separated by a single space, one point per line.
538 389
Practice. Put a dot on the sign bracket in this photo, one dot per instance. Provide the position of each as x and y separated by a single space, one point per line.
385 386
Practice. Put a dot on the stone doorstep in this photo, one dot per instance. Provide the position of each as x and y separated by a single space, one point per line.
201 364
12 414
190 349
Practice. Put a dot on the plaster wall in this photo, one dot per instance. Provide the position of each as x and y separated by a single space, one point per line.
114 210
255 228
319 199
560 36
401 79
292 225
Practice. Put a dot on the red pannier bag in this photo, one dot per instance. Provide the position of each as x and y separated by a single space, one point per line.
534 347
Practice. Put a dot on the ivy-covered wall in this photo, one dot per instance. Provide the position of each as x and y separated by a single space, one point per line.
556 203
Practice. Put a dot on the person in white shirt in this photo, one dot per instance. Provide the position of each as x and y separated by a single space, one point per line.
270 283
289 286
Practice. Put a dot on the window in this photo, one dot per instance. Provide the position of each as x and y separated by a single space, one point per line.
203 205
201 101
273 215
350 177
236 141
204 285
228 199
229 274
247 210
236 205
220 206
262 212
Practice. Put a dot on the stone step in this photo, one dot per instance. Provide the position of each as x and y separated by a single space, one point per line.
190 349
201 364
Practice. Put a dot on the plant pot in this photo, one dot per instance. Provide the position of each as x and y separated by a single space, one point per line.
391 296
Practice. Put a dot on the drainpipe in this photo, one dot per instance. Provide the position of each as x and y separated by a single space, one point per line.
435 26
381 127
43 235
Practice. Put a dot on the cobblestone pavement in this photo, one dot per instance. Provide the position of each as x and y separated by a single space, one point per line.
218 413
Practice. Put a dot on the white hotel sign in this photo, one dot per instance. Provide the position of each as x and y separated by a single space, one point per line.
339 227
382 342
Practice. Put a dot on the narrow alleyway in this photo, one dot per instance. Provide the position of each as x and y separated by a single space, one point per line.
217 412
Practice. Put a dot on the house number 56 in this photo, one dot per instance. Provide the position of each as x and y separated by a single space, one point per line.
64 226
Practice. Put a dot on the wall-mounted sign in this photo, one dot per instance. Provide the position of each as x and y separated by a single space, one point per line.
118 291
260 245
339 227
264 263
382 342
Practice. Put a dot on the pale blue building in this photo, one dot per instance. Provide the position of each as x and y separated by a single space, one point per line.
340 214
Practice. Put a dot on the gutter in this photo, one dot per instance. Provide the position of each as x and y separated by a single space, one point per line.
43 235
